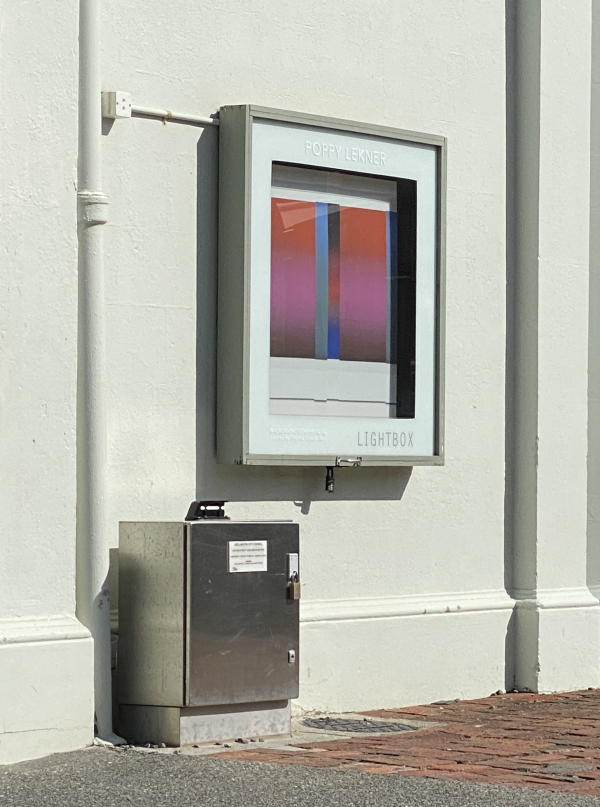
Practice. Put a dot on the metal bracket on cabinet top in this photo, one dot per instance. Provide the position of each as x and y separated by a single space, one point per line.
206 509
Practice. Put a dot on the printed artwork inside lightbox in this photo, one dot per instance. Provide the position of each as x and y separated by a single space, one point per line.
342 304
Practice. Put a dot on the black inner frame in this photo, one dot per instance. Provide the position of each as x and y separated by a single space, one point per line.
404 296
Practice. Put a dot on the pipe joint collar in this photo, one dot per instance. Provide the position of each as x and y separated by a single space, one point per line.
92 207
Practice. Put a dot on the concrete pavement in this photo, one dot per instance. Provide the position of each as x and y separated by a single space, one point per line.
131 778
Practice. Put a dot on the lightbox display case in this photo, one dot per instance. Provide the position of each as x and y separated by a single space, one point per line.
331 292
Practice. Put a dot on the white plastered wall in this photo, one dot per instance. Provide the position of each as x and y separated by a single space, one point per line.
46 699
566 629
403 584
403 573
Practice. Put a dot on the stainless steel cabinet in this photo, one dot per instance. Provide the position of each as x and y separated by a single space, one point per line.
205 613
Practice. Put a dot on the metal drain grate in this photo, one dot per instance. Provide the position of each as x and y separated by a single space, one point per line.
364 726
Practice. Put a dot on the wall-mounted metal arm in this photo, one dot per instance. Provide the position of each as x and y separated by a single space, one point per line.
166 115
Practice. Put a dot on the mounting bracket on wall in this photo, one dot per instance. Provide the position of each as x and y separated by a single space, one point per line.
340 462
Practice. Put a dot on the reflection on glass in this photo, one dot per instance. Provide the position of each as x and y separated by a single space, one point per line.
334 288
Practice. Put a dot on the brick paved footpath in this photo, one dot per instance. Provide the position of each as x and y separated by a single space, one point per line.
541 741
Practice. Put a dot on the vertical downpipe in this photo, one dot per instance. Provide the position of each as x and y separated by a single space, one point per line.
93 600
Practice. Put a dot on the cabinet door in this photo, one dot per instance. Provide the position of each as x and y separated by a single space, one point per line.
242 624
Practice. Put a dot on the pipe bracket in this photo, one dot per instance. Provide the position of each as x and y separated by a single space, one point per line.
92 207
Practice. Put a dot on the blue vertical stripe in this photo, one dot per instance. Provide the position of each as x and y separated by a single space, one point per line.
333 339
333 277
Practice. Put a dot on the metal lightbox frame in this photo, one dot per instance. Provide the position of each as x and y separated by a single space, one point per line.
234 283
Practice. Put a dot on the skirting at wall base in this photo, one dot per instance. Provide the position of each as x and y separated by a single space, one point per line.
382 653
176 726
557 641
46 681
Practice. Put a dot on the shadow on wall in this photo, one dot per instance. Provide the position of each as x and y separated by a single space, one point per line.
511 265
510 649
252 483
513 224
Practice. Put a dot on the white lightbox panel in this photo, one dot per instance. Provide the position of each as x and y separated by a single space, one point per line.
273 142
310 407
